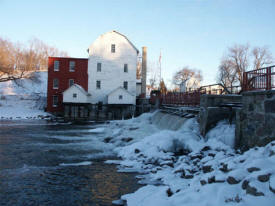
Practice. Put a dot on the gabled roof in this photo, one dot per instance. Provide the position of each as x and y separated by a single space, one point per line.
127 40
119 89
80 88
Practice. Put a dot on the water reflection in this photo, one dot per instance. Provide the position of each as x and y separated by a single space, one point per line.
30 173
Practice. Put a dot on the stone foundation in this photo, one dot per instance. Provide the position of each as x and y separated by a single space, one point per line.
255 125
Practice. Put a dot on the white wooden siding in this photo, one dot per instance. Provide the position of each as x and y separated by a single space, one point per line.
112 73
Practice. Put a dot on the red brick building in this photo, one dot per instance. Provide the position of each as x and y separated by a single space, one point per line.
62 73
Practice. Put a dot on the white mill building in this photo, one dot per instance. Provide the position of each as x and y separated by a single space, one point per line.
112 83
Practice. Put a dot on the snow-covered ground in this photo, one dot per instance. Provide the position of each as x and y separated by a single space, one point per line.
25 98
181 168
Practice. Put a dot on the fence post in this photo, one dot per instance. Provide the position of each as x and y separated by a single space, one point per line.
268 78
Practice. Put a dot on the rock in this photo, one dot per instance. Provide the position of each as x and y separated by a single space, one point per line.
198 156
272 184
206 148
211 154
253 169
224 168
107 139
127 139
187 176
169 192
137 151
231 180
207 169
133 128
272 189
263 178
253 191
203 182
181 152
245 184
211 180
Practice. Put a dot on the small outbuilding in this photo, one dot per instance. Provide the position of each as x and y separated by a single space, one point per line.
76 102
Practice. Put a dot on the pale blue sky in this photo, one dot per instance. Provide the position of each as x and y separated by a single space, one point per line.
189 32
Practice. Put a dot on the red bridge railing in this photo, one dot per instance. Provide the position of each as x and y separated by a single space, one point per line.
260 79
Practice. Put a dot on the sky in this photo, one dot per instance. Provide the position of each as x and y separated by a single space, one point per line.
193 33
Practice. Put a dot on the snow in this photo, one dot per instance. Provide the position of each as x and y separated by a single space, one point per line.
97 130
173 159
24 98
223 132
76 164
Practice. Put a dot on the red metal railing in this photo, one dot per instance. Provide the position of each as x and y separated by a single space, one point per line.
260 79
181 98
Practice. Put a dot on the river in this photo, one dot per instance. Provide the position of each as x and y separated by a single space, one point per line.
43 163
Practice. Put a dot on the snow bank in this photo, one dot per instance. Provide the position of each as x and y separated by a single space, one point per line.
182 168
24 98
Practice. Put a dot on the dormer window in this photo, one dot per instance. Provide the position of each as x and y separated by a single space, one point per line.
113 48
74 95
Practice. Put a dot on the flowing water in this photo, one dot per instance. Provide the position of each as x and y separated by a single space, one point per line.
47 164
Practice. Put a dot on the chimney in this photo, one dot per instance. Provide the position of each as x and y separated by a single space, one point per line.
144 71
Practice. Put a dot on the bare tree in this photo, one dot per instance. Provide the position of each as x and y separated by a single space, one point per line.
227 75
238 55
19 61
186 77
237 61
262 57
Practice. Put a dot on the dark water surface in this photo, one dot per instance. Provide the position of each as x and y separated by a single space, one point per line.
32 171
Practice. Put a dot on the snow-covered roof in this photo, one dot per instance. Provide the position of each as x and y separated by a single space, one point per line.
119 89
80 88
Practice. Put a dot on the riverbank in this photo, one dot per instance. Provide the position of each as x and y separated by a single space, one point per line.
181 168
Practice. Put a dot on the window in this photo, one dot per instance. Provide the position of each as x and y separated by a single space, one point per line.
55 101
113 48
74 95
56 66
55 83
71 82
72 66
120 97
98 67
98 84
125 67
125 85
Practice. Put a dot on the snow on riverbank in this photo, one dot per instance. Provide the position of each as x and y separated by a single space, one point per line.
181 168
25 98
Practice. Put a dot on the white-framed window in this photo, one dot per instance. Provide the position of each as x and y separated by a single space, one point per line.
98 84
72 66
55 100
120 97
113 48
71 82
125 85
55 83
74 95
56 66
98 67
126 68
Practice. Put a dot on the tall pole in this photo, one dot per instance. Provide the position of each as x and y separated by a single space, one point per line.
160 78
144 71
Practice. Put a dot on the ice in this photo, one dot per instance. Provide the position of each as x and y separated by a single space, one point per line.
97 130
76 164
